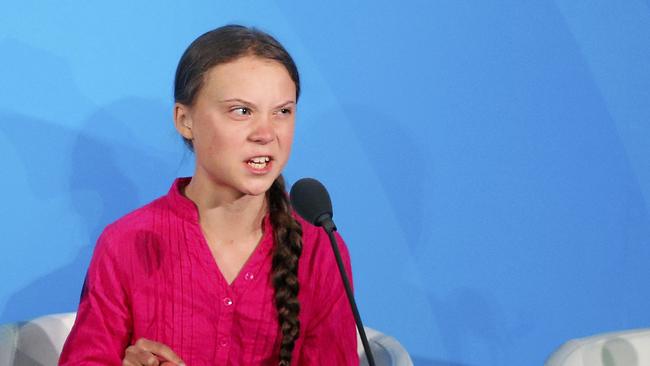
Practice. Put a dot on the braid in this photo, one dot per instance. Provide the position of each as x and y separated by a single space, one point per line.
287 236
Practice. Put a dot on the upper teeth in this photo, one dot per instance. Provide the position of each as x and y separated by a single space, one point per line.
261 159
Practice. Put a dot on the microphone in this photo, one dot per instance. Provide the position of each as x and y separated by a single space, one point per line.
312 202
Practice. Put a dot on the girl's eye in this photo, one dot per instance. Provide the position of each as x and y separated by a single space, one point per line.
241 111
286 111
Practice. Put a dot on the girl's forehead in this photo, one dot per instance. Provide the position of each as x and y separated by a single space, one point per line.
246 65
249 75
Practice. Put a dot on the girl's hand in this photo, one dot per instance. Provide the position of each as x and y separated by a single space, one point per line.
149 353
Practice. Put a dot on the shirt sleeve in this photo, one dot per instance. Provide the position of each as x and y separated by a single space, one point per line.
330 337
102 329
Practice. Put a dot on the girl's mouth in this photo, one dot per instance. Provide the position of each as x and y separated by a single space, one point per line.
259 162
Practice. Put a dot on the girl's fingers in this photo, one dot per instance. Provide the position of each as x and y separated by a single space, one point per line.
136 356
163 352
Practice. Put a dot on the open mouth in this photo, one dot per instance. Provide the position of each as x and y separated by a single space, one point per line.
259 162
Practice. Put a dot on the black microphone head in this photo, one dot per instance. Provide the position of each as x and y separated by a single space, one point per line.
311 201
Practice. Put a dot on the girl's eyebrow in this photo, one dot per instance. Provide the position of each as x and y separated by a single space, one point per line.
242 101
286 104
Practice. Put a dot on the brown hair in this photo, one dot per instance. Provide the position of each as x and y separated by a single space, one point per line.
220 46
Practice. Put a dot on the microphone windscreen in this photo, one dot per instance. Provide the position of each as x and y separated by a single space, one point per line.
310 200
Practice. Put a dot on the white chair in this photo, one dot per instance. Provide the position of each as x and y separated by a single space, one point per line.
39 342
386 350
36 342
625 348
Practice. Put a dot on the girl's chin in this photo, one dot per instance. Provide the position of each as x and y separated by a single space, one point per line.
258 189
255 192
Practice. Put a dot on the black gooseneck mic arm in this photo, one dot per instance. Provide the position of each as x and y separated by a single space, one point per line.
348 291
310 199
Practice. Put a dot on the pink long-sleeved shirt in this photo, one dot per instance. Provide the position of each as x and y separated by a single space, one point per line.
152 275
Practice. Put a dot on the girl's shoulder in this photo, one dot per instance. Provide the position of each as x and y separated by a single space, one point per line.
316 246
138 219
168 210
121 235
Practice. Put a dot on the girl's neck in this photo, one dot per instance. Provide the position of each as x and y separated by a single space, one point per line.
224 214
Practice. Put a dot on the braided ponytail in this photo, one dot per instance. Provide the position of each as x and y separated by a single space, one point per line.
287 235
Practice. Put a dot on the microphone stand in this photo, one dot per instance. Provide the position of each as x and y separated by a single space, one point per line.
327 224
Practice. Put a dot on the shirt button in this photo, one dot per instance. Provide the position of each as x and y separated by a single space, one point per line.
249 276
227 301
223 343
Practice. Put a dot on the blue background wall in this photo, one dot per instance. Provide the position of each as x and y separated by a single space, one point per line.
489 162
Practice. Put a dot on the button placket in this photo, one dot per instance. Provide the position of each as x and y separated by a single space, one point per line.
226 320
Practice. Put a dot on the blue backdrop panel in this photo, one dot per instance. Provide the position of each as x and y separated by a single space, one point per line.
489 163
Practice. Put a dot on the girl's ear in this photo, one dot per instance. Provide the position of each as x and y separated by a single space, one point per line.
183 120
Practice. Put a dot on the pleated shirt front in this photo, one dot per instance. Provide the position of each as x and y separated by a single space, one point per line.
153 276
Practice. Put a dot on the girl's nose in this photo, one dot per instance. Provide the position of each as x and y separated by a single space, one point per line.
263 131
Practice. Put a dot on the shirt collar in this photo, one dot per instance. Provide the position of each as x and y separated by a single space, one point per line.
181 205
187 210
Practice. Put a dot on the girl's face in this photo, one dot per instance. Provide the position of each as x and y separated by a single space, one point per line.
241 124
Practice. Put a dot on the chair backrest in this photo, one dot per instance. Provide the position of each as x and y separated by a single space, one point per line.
629 348
39 342
386 350
36 342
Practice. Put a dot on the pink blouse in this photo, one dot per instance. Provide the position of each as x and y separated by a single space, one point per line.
152 275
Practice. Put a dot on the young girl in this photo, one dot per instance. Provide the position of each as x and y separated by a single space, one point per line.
220 271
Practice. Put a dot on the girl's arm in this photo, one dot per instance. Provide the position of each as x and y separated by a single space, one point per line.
102 329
